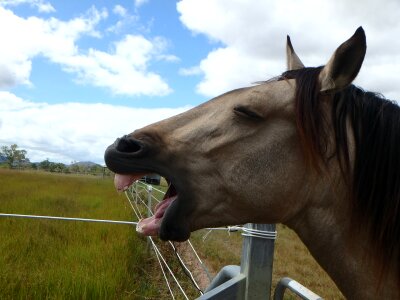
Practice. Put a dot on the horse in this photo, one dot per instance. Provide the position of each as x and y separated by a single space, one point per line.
315 152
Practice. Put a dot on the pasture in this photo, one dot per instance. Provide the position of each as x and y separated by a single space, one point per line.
61 260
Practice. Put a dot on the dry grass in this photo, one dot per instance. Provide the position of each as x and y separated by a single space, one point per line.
292 259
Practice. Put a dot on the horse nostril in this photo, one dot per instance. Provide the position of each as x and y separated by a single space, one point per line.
128 145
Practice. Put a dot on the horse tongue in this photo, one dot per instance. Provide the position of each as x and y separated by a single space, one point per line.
122 182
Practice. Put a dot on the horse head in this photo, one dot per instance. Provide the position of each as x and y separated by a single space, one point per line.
306 148
235 159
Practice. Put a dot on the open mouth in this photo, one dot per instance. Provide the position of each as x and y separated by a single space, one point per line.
135 159
148 226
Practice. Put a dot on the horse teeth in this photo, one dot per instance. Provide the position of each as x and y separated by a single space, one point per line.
139 228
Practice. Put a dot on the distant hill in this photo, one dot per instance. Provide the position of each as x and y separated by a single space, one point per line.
2 159
86 167
85 164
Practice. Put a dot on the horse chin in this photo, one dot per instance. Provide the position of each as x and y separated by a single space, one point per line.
173 226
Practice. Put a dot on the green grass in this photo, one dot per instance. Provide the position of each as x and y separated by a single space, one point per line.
42 259
45 259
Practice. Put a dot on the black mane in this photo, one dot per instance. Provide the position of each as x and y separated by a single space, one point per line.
374 179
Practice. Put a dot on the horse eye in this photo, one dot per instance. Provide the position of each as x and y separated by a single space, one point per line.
243 111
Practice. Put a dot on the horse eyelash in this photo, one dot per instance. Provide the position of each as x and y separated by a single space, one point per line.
246 112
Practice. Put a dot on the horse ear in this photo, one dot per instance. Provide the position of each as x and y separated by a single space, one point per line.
292 60
345 63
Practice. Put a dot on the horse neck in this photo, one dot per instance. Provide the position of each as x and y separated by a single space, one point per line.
325 228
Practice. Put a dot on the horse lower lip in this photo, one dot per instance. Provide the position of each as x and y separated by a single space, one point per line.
161 207
151 226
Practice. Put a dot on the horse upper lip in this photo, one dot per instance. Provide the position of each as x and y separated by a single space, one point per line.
124 162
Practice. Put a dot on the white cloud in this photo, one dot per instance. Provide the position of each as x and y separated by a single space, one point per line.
119 10
190 71
140 2
124 69
41 5
34 36
252 35
70 131
168 57
125 22
228 68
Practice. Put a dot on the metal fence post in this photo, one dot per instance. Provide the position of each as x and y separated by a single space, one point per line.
255 277
135 188
257 261
149 193
149 212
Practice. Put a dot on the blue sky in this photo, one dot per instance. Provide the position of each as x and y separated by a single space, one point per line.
152 19
74 75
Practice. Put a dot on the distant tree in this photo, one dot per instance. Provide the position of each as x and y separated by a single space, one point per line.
25 163
107 172
57 167
45 165
82 169
96 169
13 155
62 167
74 168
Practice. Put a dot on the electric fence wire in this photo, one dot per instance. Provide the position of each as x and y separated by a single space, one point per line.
146 187
158 253
183 265
185 269
138 215
66 219
165 276
170 271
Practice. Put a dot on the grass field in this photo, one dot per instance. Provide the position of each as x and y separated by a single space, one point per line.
66 260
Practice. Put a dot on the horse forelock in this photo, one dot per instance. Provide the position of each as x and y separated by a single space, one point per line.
374 178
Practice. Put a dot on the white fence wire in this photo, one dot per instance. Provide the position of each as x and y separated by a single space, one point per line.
135 195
